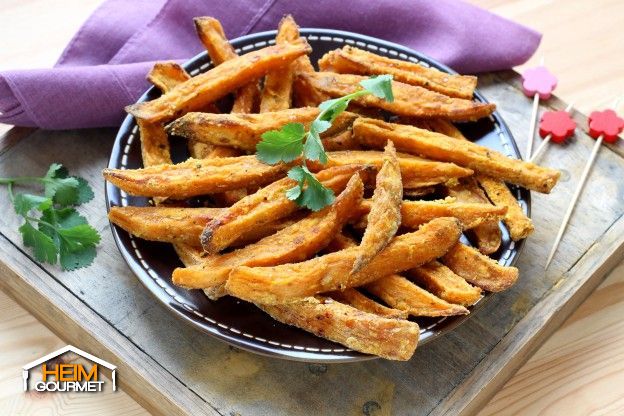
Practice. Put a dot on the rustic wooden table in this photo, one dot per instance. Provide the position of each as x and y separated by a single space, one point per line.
576 371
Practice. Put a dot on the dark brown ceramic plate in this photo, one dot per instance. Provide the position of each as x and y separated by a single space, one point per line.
240 323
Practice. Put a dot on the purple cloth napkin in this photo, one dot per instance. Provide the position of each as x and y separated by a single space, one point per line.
104 66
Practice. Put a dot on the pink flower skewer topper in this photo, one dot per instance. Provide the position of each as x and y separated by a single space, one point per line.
554 126
538 83
603 125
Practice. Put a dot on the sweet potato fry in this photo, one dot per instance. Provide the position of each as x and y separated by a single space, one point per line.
189 254
219 49
400 293
340 241
217 82
438 125
266 205
353 297
394 339
305 95
277 90
409 139
408 101
246 99
478 269
341 141
289 32
289 282
213 37
362 331
384 216
166 75
278 84
181 225
154 143
519 225
416 172
350 60
195 177
397 291
243 131
292 244
167 224
154 140
211 34
417 213
442 282
201 150
486 236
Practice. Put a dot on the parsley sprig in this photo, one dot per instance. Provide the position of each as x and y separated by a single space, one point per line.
59 232
291 141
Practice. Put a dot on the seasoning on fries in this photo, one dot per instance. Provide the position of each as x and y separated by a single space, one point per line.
384 216
210 86
409 100
297 242
195 177
289 282
351 60
355 271
409 139
402 294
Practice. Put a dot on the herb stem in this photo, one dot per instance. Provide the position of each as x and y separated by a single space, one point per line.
11 195
346 98
38 221
8 181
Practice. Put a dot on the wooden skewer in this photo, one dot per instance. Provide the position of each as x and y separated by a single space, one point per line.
533 121
577 193
546 140
531 137
601 124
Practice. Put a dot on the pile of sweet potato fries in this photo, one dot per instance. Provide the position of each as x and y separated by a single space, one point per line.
355 271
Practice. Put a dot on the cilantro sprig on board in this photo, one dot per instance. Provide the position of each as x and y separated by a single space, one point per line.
292 142
52 227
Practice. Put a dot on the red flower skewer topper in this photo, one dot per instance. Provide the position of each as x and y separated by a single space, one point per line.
538 83
603 125
557 124
554 126
607 124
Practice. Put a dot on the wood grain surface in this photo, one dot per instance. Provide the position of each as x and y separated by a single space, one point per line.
572 353
577 371
582 45
24 339
580 369
104 309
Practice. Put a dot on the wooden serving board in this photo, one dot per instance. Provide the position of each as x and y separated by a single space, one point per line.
172 368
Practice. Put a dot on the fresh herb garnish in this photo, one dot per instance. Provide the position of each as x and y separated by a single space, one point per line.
59 233
291 141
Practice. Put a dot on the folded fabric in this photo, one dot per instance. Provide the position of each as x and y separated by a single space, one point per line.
103 68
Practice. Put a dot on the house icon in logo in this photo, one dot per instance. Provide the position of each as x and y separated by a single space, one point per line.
69 348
